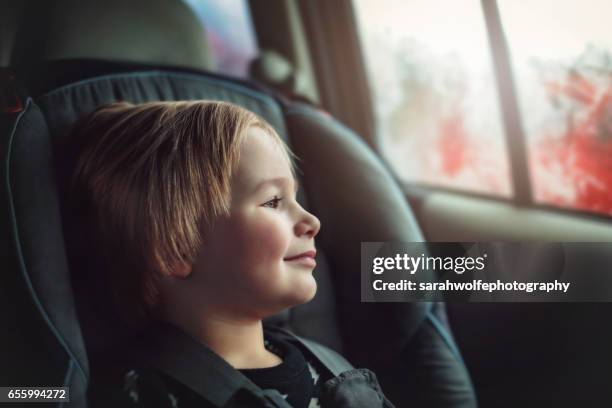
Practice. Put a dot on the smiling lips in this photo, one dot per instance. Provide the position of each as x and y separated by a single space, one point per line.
305 259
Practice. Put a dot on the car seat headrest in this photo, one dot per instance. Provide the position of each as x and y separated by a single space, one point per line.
168 33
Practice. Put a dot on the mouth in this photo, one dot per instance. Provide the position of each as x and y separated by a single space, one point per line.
304 259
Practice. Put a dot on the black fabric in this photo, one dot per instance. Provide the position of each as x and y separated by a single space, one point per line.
354 388
292 378
429 369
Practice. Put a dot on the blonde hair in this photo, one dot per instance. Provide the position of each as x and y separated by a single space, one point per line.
154 177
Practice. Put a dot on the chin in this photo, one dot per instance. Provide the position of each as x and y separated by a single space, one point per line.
307 291
292 293
295 298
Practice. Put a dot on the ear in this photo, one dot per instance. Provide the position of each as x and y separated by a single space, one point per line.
181 270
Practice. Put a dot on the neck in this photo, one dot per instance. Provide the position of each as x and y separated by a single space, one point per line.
238 341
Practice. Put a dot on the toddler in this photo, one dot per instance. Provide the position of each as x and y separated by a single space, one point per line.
192 208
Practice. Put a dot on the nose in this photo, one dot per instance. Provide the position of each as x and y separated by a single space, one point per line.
308 225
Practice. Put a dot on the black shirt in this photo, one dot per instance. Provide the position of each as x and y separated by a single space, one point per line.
295 379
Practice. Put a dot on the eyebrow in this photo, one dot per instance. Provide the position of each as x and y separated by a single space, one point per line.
278 181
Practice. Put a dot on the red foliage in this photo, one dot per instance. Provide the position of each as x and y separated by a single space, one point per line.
452 145
583 155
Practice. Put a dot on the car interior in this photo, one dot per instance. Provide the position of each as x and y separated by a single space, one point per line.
306 74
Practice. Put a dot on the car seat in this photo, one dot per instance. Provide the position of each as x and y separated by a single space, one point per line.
53 324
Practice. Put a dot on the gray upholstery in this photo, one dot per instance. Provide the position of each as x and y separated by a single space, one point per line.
41 342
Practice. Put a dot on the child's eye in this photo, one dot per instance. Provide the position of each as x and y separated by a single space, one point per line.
273 203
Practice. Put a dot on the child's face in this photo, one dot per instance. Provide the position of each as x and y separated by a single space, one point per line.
242 267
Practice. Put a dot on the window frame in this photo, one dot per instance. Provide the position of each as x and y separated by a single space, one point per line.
333 40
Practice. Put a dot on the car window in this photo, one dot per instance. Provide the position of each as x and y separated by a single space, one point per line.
229 32
562 63
435 100
436 97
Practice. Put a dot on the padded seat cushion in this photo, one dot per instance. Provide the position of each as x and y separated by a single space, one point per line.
40 342
63 106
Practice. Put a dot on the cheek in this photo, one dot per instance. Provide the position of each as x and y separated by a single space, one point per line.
261 242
